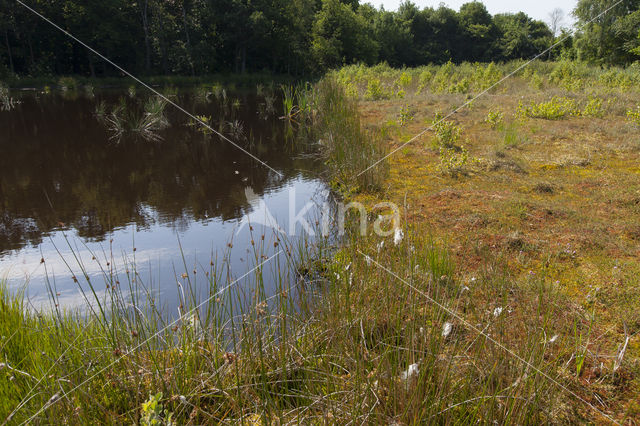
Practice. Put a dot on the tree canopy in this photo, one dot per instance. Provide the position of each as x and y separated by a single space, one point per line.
289 36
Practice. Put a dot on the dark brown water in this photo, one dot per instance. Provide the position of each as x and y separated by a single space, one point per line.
87 202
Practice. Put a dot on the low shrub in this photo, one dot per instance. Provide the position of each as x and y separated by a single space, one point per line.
555 109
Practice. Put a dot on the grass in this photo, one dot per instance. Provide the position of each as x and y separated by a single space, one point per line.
128 118
547 196
510 297
372 349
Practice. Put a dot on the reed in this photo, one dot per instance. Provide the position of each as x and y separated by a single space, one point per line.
349 148
7 103
127 118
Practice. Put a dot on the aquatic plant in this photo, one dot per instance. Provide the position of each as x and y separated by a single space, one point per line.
289 107
203 94
89 91
153 119
126 119
349 149
100 111
7 103
235 129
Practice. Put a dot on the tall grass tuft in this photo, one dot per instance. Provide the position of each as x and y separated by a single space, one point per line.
7 103
128 118
349 148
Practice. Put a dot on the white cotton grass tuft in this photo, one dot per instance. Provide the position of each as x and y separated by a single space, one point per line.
368 260
553 339
412 371
497 311
446 329
380 245
398 236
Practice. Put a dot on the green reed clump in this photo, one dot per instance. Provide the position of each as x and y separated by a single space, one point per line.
7 103
350 149
131 118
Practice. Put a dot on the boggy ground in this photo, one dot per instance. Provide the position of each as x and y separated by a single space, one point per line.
535 190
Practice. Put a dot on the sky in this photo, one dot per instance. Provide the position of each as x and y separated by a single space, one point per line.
538 9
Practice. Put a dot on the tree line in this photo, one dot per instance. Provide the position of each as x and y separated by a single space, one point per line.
194 37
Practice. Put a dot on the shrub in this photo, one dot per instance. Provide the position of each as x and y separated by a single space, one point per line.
593 108
634 115
404 80
453 162
494 118
375 91
405 116
555 109
424 79
447 132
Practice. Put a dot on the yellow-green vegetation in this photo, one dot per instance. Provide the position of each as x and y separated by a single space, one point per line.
494 118
555 109
634 115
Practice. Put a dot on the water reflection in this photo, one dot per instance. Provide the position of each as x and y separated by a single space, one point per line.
63 174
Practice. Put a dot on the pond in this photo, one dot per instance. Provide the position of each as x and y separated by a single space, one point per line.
108 188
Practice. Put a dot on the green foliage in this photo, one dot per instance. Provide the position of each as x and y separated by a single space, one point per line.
376 91
404 80
154 414
634 115
349 149
494 118
447 132
613 37
340 36
454 162
405 116
567 75
593 108
555 109
512 135
296 37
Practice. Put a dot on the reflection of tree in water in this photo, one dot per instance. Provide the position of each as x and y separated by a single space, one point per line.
59 169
